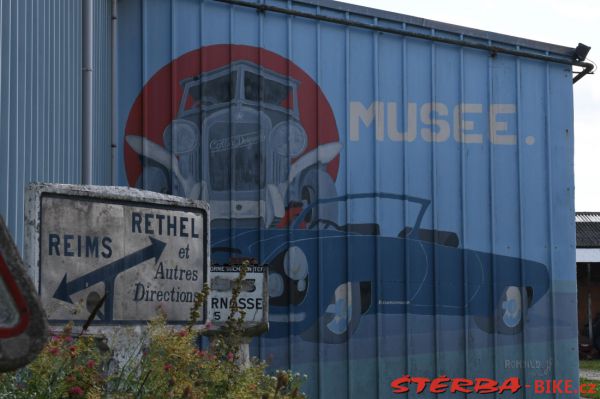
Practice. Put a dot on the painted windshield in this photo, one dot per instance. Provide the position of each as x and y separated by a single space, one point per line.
260 89
404 213
219 90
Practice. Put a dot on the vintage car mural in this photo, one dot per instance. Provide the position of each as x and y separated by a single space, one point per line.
231 143
238 141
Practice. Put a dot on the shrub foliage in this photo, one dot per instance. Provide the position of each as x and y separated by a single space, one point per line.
165 363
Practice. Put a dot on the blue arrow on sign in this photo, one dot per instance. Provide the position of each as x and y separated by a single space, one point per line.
108 273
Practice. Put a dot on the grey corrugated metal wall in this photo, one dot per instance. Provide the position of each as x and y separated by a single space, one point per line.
40 98
102 92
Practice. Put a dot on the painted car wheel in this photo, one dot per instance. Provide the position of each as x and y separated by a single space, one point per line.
512 307
510 312
342 316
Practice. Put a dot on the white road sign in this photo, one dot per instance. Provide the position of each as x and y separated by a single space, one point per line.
253 298
136 251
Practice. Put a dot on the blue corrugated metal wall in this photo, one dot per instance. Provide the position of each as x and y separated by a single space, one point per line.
40 98
485 139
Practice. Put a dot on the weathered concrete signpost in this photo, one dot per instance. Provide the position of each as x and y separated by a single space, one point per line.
23 328
122 253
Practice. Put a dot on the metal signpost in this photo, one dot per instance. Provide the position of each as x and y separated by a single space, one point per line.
122 253
23 328
253 299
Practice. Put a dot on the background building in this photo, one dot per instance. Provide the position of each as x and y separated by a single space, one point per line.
588 276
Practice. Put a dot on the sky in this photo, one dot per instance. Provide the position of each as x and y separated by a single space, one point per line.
564 22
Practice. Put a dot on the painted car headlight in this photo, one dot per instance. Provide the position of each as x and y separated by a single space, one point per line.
276 286
288 138
295 264
181 136
288 277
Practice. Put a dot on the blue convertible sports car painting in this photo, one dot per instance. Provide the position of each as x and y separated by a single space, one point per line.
365 272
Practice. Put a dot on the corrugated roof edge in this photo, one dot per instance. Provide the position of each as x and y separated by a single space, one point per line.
587 217
497 39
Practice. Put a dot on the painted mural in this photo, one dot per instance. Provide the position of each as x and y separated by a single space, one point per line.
254 135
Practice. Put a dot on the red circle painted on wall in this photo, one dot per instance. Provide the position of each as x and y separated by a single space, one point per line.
165 96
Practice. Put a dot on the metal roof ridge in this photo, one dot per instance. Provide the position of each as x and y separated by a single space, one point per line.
442 26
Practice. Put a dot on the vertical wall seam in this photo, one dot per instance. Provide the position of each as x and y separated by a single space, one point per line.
405 209
434 213
68 86
19 123
3 150
289 49
15 102
232 176
550 216
376 156
29 100
492 218
144 74
46 95
463 211
55 99
319 249
347 183
262 170
172 74
521 225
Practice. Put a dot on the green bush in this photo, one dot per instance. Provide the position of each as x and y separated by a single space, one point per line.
66 368
165 364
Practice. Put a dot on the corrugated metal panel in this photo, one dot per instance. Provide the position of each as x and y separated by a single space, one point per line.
102 92
443 242
40 99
